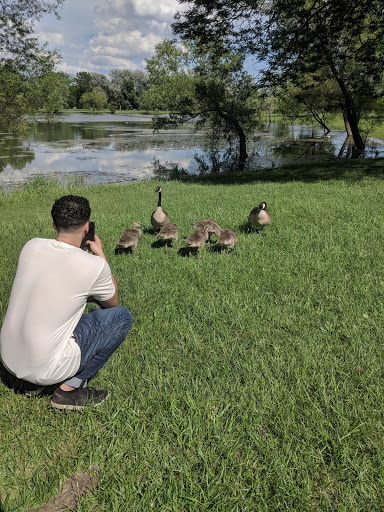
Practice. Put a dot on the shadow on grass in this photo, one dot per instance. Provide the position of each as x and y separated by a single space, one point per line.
184 252
215 248
123 250
150 231
350 170
163 244
21 387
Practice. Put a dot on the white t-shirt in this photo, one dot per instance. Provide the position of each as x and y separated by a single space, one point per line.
49 294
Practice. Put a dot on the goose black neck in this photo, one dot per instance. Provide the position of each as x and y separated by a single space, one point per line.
159 201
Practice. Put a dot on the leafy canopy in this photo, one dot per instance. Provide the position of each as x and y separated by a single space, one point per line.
195 82
22 59
344 37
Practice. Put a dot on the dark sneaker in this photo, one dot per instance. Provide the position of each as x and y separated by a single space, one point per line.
78 399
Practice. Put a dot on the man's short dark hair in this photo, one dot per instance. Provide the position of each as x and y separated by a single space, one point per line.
70 212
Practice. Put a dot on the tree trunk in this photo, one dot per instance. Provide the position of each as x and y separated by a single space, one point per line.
347 143
240 132
352 120
347 125
242 148
350 110
317 116
351 116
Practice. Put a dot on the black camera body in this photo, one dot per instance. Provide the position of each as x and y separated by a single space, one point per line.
89 236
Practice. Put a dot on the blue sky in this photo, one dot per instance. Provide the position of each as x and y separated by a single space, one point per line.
101 35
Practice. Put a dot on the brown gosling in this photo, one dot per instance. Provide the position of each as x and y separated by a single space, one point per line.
259 217
130 237
196 240
169 232
213 227
159 217
227 238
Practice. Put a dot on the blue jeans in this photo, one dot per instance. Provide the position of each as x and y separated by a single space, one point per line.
98 335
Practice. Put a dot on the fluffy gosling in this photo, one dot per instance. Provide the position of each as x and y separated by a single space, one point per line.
196 240
227 238
129 238
169 232
213 227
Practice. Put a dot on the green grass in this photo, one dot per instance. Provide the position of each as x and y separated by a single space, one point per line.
250 381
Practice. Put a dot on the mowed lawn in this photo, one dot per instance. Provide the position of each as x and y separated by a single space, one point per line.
251 381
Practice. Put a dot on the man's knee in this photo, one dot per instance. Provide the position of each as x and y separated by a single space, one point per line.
125 316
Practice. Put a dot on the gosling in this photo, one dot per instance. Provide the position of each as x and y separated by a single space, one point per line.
129 238
213 227
159 217
227 238
196 240
168 233
259 217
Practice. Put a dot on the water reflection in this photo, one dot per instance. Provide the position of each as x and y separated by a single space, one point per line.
15 154
106 148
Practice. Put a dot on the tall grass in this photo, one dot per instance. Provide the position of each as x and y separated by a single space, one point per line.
250 381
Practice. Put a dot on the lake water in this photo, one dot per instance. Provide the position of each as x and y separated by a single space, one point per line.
120 148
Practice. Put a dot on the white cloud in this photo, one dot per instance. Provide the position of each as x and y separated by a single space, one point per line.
105 34
141 8
97 62
151 8
129 44
54 39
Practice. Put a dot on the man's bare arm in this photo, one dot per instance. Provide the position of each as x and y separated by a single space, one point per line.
97 249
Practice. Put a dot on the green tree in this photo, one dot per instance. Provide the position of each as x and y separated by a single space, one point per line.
205 87
312 99
94 100
17 41
54 91
82 83
343 37
170 79
98 80
127 87
17 98
22 58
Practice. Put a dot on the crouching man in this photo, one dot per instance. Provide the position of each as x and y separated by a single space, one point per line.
45 339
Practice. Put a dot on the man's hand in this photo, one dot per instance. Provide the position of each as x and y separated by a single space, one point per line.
96 247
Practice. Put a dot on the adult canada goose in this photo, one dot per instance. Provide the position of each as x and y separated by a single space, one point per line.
129 238
259 217
213 227
196 240
227 238
169 232
159 217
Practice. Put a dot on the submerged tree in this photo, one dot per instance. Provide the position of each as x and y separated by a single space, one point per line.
345 37
310 99
204 86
